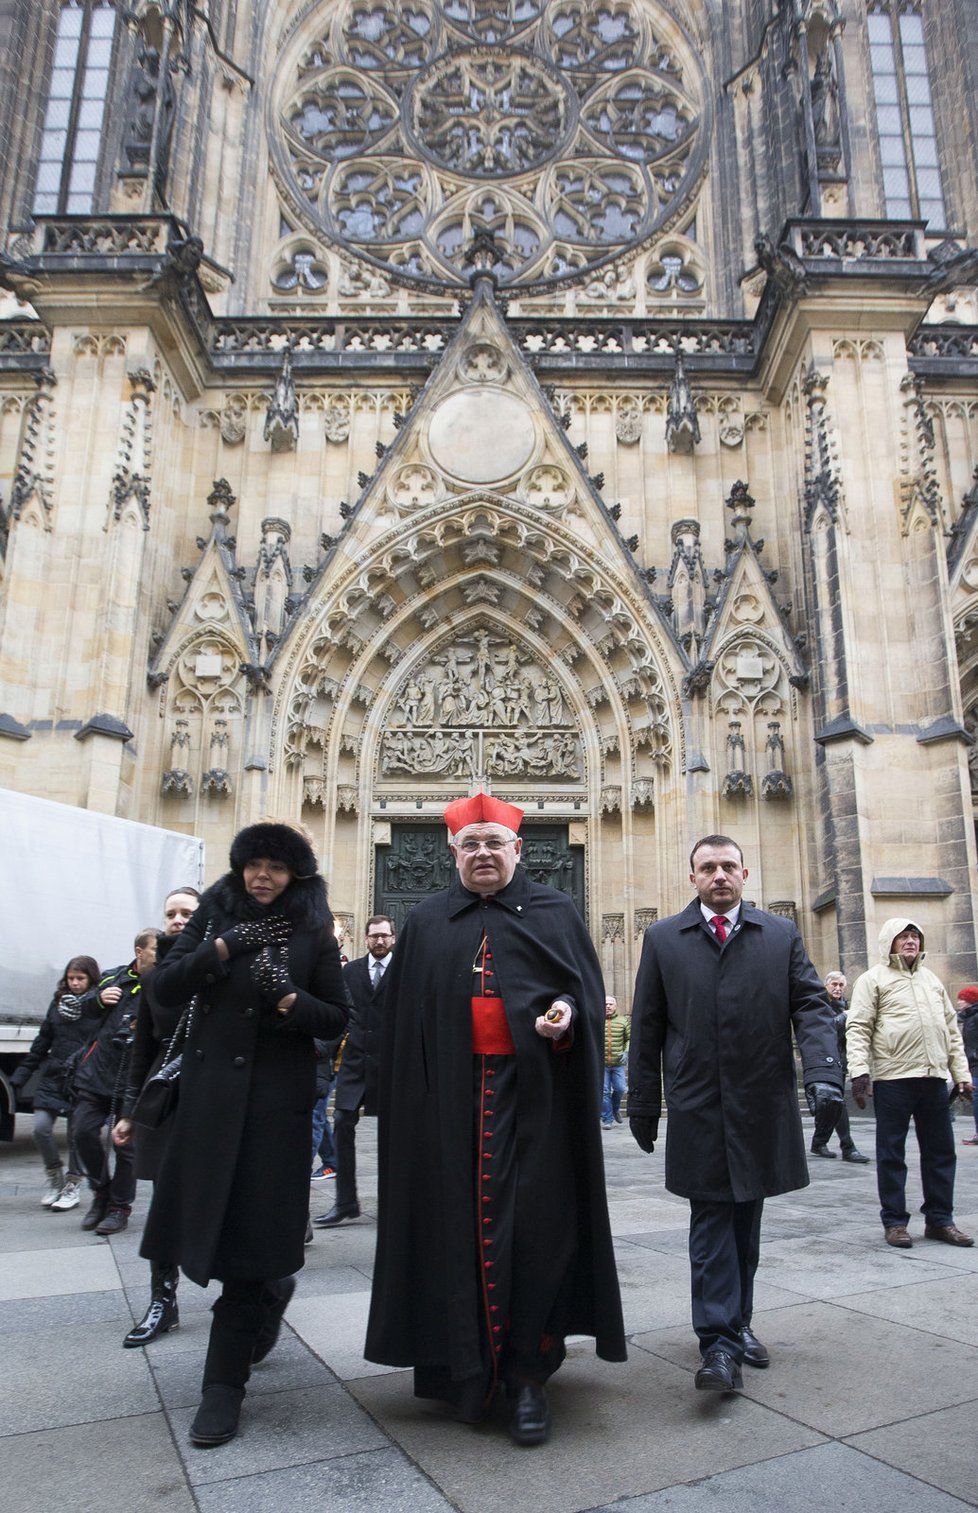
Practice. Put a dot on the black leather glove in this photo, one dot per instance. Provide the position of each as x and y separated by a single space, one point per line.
861 1089
644 1131
69 1006
254 934
270 973
19 1076
822 1096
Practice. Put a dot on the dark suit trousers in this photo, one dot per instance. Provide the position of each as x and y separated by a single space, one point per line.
345 1143
724 1247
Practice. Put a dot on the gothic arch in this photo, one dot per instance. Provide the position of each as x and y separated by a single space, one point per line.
451 571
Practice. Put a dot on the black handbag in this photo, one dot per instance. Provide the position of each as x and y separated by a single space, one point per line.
157 1100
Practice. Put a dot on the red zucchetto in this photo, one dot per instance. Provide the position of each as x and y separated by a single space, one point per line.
481 809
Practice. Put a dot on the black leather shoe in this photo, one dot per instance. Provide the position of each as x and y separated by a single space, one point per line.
529 1420
336 1215
755 1354
719 1372
216 1420
856 1157
275 1299
823 1150
97 1212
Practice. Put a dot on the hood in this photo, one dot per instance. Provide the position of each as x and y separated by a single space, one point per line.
893 927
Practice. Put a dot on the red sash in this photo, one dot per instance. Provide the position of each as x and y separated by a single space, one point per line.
490 1030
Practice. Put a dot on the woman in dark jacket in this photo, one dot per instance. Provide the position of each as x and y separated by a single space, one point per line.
232 1192
155 1027
61 1036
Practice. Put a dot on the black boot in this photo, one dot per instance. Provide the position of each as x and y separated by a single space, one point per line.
97 1212
237 1318
162 1315
275 1299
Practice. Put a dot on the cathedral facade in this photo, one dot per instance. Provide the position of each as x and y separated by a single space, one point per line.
575 398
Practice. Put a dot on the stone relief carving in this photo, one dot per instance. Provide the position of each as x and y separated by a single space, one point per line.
482 706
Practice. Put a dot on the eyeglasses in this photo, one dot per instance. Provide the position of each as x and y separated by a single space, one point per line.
494 843
385 936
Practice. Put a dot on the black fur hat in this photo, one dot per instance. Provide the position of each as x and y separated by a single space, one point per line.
280 842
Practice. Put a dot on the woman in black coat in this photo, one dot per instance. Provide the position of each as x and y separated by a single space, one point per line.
232 1192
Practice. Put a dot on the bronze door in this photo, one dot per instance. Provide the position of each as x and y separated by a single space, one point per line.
418 862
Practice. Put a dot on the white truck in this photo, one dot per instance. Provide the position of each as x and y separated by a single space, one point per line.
72 883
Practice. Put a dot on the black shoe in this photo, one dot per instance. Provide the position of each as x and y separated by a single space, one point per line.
115 1221
97 1212
529 1420
216 1420
275 1299
161 1316
856 1157
719 1372
336 1215
618 1119
755 1354
309 1235
823 1150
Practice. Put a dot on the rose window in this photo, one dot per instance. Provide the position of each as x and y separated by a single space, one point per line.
574 131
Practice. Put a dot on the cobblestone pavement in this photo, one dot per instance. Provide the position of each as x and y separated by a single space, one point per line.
870 1401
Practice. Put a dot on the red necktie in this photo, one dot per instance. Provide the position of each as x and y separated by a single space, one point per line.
720 923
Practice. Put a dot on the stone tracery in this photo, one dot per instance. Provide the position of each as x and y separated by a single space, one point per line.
571 131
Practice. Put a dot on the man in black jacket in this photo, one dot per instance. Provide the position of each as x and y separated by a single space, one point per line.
356 1082
719 989
99 1087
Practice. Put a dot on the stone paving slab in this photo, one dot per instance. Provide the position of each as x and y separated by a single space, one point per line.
827 1477
281 1429
840 1371
618 1430
77 1375
126 1465
48 1272
362 1483
938 1448
290 1367
336 1334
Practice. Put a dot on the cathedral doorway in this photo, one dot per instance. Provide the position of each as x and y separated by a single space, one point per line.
418 862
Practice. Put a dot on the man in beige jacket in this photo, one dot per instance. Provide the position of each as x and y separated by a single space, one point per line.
903 1031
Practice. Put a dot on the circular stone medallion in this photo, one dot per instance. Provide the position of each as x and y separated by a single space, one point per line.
481 437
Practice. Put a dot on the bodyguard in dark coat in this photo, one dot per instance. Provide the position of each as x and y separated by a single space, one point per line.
232 1196
356 1081
712 1016
155 1027
493 1237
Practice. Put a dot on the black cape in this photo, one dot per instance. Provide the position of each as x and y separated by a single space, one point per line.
424 1308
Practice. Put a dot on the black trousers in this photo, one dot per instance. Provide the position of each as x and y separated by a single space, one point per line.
345 1146
835 1118
925 1101
724 1248
115 1183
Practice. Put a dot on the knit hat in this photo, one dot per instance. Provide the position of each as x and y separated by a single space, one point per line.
482 809
969 994
277 840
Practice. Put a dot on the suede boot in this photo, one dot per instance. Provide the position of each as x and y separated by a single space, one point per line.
275 1299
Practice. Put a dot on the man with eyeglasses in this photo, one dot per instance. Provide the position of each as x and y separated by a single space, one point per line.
493 1237
356 1082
